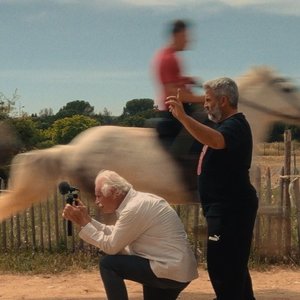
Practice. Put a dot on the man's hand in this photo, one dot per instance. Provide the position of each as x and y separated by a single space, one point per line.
77 213
176 106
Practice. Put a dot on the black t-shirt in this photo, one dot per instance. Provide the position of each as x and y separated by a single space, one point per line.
224 183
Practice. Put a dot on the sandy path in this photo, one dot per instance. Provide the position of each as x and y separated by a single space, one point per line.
275 284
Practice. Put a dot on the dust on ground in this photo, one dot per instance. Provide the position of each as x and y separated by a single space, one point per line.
278 283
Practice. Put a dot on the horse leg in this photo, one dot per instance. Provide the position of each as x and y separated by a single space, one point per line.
32 176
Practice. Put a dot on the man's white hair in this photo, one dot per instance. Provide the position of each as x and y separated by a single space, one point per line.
224 86
111 179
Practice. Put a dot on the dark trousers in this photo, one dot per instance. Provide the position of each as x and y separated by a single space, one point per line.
115 268
228 250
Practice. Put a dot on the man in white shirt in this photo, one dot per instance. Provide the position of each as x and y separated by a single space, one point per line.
147 244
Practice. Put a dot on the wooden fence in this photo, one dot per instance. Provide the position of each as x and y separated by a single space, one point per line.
276 234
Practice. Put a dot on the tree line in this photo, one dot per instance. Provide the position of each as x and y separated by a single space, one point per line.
46 129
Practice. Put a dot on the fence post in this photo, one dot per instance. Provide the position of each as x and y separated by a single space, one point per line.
280 218
287 202
297 203
12 238
18 229
32 216
48 224
56 223
41 227
26 229
268 201
3 224
257 181
296 189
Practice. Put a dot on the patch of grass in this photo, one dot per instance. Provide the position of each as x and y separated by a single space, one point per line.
267 262
27 262
275 148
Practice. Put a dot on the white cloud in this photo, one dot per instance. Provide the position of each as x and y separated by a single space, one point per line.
286 7
245 2
171 3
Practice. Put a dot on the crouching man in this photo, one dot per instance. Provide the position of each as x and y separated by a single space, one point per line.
147 244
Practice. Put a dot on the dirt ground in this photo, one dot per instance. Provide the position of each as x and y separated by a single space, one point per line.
274 284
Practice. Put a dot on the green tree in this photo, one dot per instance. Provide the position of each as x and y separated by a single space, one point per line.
136 112
28 134
137 106
133 121
105 117
64 130
45 119
7 105
46 112
277 131
296 132
78 107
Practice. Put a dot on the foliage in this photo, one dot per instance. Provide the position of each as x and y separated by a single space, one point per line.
277 131
136 112
42 132
7 104
27 132
133 121
47 129
78 107
46 112
137 106
64 130
45 118
106 118
44 122
9 146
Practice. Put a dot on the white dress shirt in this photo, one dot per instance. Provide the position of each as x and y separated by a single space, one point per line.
147 226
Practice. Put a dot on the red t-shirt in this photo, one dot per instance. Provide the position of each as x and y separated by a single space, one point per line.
166 70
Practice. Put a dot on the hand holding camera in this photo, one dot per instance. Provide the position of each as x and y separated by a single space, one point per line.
77 214
74 211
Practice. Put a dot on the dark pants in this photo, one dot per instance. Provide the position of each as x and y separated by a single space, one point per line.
115 268
228 250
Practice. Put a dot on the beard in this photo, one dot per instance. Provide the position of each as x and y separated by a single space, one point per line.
215 115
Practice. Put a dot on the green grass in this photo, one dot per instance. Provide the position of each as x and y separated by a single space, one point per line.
275 148
27 262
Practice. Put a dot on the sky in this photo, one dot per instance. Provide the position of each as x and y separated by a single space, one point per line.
57 51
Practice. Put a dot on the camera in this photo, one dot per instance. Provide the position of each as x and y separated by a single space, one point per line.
70 192
71 196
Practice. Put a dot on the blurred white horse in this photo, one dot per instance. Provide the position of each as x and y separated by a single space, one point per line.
136 154
265 98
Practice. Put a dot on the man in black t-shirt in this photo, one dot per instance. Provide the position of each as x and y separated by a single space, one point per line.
228 199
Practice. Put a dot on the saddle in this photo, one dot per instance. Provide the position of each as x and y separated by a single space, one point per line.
173 136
